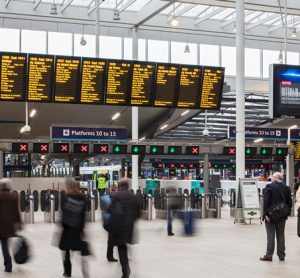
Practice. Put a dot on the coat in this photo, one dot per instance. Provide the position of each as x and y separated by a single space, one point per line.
9 214
297 204
131 209
71 237
272 195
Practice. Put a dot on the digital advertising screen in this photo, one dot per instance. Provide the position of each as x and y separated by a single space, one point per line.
284 91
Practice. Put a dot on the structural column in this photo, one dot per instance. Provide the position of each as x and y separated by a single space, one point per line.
1 164
240 89
135 118
97 3
206 173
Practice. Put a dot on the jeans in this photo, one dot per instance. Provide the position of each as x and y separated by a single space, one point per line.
110 247
170 219
6 255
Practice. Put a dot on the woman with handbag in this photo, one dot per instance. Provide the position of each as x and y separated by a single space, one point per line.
73 220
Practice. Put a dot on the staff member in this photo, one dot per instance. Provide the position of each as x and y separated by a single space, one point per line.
101 181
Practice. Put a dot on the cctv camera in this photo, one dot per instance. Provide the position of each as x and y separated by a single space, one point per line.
205 132
83 41
26 129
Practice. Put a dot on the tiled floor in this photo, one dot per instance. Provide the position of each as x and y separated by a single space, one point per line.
218 249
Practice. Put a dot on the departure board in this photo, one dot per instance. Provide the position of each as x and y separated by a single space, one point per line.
93 73
118 82
212 88
13 76
67 79
190 87
143 78
166 84
40 78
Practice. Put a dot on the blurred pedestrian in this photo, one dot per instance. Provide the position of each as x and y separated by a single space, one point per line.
73 222
124 210
277 205
297 207
10 219
172 204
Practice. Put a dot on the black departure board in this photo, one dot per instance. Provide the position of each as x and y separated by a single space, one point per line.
143 78
93 73
189 87
67 79
212 88
40 78
166 84
118 82
13 68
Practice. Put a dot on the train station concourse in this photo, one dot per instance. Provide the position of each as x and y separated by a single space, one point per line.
149 138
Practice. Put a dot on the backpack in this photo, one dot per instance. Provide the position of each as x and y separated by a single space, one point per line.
73 211
21 255
115 220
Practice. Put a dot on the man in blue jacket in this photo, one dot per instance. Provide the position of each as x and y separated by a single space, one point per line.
275 193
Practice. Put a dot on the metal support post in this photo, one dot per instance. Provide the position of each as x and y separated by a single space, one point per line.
52 208
149 207
240 89
219 206
203 207
285 31
261 204
1 164
206 173
31 209
97 52
92 212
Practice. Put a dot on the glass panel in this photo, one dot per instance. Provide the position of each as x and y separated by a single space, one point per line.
293 58
178 54
252 62
128 48
269 57
34 42
9 40
142 50
229 60
110 47
88 50
209 55
59 43
158 51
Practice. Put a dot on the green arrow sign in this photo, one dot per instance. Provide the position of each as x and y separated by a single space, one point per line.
154 150
172 150
264 151
136 149
248 151
117 149
279 151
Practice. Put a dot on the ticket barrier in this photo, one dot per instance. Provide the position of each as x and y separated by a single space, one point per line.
49 204
91 207
29 204
147 211
232 202
214 205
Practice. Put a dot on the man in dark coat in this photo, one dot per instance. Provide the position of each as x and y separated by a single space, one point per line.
275 193
124 210
9 219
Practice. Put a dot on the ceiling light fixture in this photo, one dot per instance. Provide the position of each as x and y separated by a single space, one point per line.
53 9
164 126
234 27
187 48
185 112
258 140
116 116
116 12
142 139
174 21
280 57
293 33
83 41
293 127
32 113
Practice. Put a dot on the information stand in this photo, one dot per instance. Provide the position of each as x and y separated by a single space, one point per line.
247 205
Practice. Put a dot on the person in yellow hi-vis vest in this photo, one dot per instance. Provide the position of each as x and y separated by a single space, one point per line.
101 183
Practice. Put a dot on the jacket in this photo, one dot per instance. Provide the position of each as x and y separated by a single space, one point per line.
9 214
297 204
272 195
71 238
131 209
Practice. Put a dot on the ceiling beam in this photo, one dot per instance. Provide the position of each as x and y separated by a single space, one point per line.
209 15
127 5
7 3
226 23
151 10
36 4
185 10
93 7
260 22
275 28
66 5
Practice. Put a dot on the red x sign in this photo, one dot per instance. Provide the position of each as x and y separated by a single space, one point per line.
64 148
195 150
44 148
232 151
103 149
84 148
23 147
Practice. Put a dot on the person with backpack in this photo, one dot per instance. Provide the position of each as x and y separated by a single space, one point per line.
277 207
9 220
124 211
73 222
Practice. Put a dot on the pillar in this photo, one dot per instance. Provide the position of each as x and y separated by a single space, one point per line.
206 173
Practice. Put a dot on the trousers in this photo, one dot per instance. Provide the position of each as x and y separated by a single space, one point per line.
278 230
123 256
110 246
68 265
170 220
6 255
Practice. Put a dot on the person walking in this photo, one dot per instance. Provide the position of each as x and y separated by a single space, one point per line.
9 220
73 221
124 210
101 183
275 193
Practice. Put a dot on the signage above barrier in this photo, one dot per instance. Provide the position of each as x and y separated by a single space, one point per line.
261 132
88 134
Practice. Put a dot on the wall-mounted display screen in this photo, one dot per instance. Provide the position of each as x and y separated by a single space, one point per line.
61 148
40 148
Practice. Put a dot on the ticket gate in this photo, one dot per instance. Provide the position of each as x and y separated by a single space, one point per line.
90 207
29 203
49 204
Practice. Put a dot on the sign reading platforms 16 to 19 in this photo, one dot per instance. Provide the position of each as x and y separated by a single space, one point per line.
88 134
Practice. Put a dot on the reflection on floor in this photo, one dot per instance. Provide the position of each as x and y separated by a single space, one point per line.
218 249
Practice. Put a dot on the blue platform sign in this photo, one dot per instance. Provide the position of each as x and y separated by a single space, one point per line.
88 134
295 134
260 132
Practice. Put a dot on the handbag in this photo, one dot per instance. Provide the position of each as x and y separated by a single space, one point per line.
73 212
279 211
21 254
115 220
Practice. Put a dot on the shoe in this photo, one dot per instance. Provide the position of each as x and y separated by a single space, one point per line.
112 260
266 259
170 234
67 275
8 270
281 259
